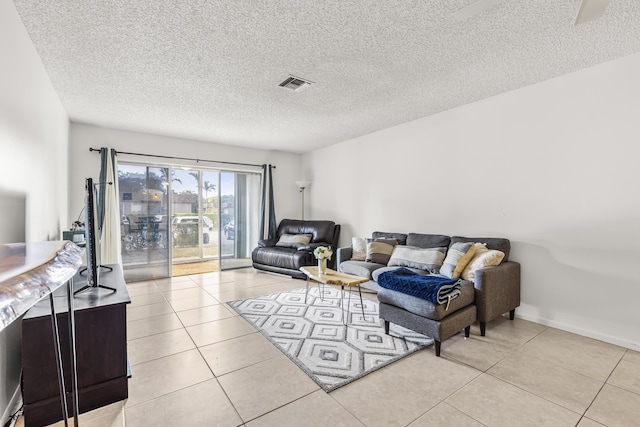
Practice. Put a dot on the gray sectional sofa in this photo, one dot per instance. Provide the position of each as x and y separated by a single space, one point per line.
494 291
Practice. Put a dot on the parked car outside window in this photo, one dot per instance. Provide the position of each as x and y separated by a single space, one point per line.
181 225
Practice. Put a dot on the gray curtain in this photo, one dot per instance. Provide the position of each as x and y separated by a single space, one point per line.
104 153
267 206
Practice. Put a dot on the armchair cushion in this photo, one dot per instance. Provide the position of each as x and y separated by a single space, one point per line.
321 231
288 258
293 240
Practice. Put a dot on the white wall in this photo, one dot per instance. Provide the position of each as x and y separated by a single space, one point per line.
33 161
86 164
553 167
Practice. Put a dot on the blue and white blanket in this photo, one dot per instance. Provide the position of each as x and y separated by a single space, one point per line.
437 289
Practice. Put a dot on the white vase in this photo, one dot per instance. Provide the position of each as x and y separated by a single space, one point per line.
322 266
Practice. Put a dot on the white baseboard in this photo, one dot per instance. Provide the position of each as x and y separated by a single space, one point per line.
12 407
525 314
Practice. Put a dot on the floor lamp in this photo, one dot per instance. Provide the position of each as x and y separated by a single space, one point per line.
302 185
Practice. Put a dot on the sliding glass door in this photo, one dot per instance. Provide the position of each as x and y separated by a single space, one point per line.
195 216
240 215
178 221
144 221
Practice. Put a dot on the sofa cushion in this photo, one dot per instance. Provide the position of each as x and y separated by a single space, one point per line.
293 240
428 259
503 245
428 240
380 250
426 308
486 258
358 249
398 237
359 268
458 256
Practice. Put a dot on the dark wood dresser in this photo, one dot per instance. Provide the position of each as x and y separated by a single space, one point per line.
101 348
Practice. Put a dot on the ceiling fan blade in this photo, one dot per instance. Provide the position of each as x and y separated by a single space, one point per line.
590 10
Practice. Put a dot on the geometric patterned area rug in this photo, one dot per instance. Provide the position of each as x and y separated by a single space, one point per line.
314 337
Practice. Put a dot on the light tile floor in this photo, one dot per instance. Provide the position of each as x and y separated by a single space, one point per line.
196 363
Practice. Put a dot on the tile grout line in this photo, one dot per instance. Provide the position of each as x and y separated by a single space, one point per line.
604 383
582 415
486 372
197 348
243 421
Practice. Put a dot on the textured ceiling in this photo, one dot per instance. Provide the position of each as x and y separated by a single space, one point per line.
209 70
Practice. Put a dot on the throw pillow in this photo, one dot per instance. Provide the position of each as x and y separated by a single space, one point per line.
428 259
479 249
359 249
458 257
293 240
379 250
483 258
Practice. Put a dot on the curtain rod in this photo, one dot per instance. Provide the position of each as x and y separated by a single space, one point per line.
181 158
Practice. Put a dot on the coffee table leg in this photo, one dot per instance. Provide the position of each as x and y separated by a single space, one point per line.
348 307
307 291
361 304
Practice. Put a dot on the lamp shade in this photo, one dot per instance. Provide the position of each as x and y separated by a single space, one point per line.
303 184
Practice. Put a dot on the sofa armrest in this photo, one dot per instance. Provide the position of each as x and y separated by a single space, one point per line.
265 243
343 254
497 290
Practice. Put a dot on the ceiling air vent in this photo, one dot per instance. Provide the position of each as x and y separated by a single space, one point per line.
295 83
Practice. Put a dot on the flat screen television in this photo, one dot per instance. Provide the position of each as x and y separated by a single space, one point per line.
92 240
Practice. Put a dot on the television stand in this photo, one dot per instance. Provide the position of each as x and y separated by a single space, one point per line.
84 288
101 345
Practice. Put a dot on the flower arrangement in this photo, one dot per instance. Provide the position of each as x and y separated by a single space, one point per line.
323 252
